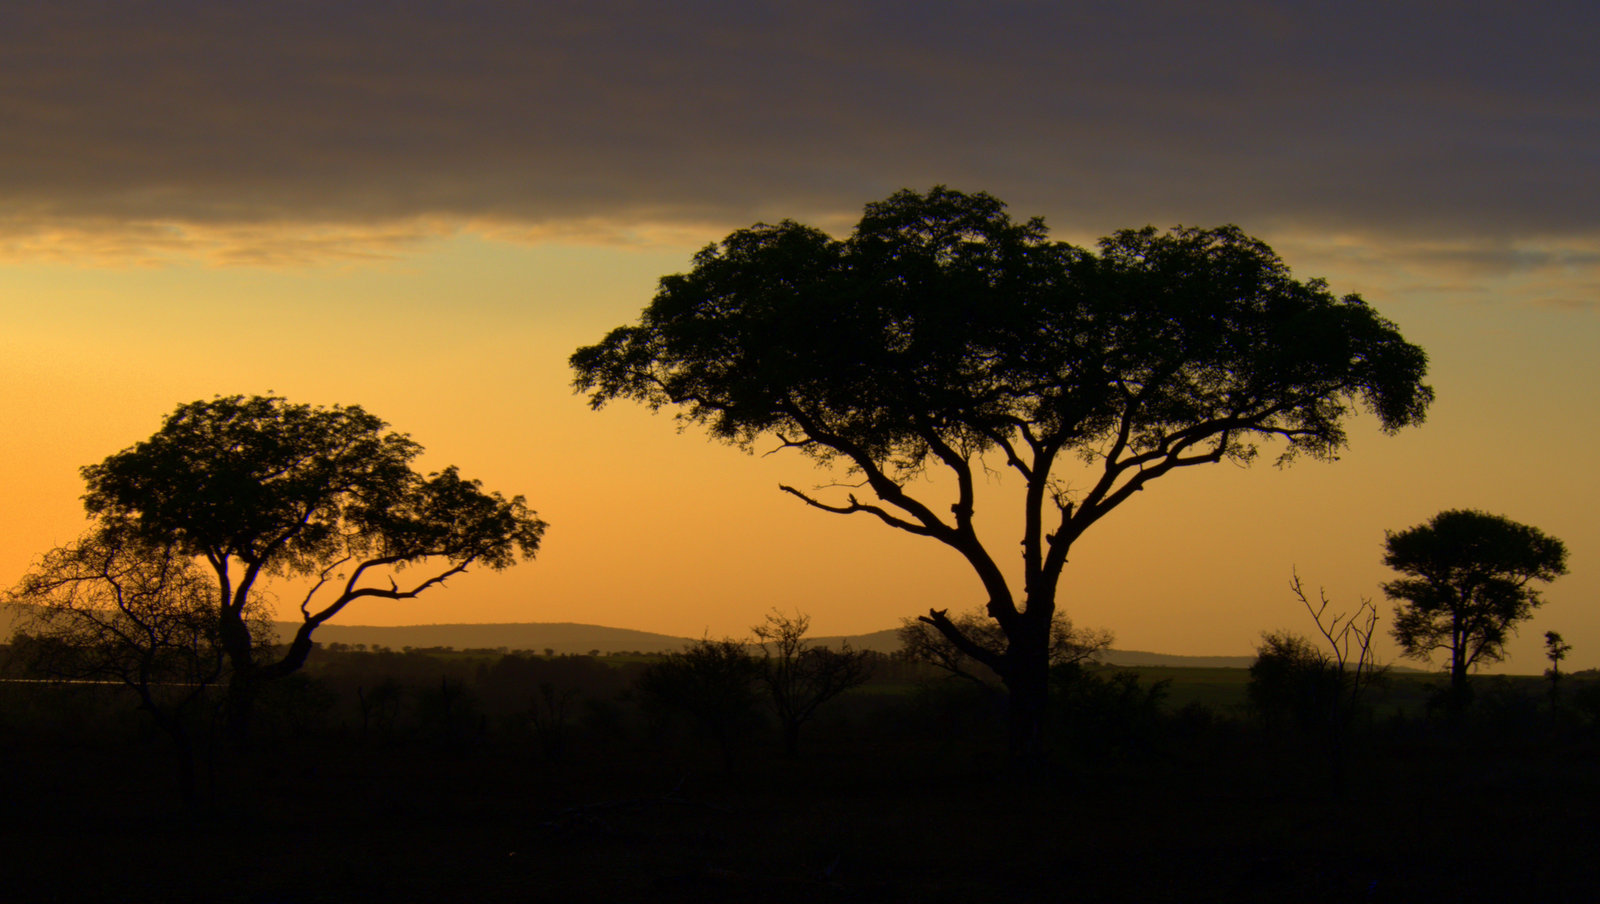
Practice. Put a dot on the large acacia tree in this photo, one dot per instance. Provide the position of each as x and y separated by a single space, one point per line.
260 487
942 334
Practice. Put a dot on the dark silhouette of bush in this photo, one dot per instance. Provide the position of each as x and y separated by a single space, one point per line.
715 684
1293 684
1104 712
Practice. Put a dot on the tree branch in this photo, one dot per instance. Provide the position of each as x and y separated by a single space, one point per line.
855 506
940 620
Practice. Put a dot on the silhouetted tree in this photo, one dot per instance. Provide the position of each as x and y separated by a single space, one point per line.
1555 649
941 332
1468 584
113 607
800 677
258 486
716 683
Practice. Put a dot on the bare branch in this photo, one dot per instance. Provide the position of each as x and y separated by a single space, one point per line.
854 506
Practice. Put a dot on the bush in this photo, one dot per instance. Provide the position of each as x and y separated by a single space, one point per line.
715 683
1292 683
1103 713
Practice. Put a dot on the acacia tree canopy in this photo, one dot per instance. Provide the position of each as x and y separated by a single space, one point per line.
1469 581
261 486
942 331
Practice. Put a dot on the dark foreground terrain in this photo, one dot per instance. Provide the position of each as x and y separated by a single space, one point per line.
893 798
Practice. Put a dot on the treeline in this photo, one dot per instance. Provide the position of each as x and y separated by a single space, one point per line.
712 706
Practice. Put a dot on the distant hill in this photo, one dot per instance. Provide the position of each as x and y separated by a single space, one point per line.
567 637
561 637
1134 658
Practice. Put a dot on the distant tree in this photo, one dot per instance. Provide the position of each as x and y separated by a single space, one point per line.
944 335
716 683
1069 644
257 487
800 677
1555 649
1468 583
113 607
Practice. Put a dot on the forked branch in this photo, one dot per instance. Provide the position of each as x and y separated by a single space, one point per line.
1344 632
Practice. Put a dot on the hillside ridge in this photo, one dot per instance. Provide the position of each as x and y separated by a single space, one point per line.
576 638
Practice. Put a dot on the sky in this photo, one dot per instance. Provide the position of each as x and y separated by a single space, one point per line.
424 208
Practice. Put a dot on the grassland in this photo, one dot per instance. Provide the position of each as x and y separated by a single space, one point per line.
900 793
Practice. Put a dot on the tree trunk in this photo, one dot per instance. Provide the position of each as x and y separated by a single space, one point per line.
1027 680
188 786
243 687
1460 693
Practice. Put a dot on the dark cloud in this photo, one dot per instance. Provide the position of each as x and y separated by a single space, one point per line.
1410 119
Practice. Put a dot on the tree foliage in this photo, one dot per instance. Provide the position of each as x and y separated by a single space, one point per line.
1468 581
944 334
258 486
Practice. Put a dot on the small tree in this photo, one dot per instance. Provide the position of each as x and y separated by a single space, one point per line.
1468 583
800 677
112 607
258 487
1555 650
716 683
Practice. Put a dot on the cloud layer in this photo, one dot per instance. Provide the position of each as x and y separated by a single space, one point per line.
1419 121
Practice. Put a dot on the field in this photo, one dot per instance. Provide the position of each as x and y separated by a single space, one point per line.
899 794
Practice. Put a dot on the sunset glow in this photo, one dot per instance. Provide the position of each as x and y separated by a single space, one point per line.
426 217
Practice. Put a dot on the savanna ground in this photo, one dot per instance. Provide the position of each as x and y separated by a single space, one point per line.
450 786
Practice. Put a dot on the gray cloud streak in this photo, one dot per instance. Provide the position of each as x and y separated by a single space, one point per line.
1414 120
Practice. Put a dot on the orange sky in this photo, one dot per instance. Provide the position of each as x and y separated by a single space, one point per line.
434 243
665 531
